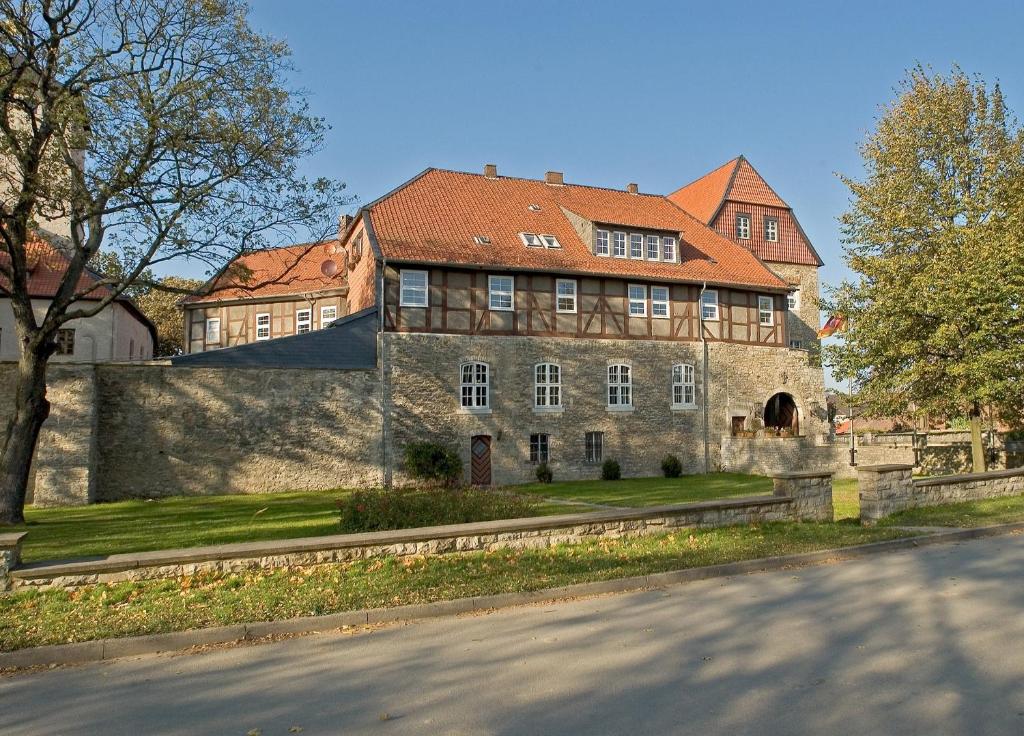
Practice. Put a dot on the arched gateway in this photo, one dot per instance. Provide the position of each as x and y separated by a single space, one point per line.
780 412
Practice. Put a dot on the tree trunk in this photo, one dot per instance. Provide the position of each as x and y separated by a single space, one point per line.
30 411
977 449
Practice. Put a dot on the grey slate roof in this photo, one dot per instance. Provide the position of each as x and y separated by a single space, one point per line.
349 343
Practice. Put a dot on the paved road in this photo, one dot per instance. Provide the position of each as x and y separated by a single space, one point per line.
929 641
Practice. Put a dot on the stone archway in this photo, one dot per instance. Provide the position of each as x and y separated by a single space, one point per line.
780 412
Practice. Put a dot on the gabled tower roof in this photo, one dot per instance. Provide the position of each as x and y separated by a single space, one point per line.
736 181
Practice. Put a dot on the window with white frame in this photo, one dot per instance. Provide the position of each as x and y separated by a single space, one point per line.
619 245
620 386
683 389
766 310
475 386
328 315
303 321
637 300
565 297
636 245
414 289
263 326
771 229
531 240
668 248
602 242
659 301
547 386
539 448
500 291
796 344
653 242
743 227
709 305
550 241
213 330
793 300
594 443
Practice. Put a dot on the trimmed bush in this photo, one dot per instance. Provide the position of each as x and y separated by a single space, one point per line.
671 467
382 509
611 470
433 462
544 474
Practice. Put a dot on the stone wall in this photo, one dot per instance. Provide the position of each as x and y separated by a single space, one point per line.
10 557
771 455
888 489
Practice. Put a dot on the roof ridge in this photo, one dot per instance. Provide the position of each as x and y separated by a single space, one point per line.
541 181
705 175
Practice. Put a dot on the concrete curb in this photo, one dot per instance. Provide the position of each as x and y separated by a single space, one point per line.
105 649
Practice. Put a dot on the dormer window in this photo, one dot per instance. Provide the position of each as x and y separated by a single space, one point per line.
602 243
653 244
550 241
619 244
743 227
668 248
636 245
531 240
771 229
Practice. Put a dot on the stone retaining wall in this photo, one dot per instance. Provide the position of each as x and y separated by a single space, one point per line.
774 455
10 557
888 489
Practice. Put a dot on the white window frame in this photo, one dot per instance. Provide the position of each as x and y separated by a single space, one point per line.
636 245
793 300
500 294
559 296
796 344
531 240
475 387
765 315
593 447
684 387
260 335
709 307
637 305
324 320
653 248
299 321
212 322
659 304
619 238
742 226
620 387
547 387
771 234
602 243
542 452
668 249
550 241
408 293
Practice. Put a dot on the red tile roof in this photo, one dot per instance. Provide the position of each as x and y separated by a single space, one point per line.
293 269
703 197
46 268
434 218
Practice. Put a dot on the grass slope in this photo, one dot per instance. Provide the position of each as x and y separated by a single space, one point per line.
968 514
640 492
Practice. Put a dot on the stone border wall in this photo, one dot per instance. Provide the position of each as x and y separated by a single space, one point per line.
774 455
10 557
888 489
797 496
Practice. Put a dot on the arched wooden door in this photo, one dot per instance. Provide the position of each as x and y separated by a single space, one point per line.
480 460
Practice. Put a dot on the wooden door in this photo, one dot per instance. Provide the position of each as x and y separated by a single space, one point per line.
480 451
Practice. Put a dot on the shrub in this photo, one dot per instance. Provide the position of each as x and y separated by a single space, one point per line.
382 509
611 470
544 474
671 467
433 462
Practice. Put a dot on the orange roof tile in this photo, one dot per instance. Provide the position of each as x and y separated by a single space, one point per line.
46 269
434 217
703 197
748 186
293 269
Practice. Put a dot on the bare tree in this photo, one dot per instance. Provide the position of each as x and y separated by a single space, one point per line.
159 129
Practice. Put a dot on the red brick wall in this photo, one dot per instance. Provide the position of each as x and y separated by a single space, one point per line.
791 247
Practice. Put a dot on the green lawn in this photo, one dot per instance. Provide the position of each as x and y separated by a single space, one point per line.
968 514
639 492
37 617
846 499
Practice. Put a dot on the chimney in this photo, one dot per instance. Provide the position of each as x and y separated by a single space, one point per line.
491 171
343 222
632 188
553 177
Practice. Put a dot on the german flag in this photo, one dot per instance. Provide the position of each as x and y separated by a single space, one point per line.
835 323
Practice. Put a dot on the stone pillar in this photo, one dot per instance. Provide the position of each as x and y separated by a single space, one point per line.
884 490
811 492
10 557
64 462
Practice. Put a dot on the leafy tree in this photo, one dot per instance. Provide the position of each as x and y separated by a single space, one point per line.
157 129
933 234
161 304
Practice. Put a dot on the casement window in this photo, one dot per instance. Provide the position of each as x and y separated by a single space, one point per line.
766 310
636 245
414 289
683 390
531 240
565 296
653 243
263 326
303 321
771 229
796 344
637 300
328 315
659 301
793 300
619 245
594 442
550 241
131 349
602 242
620 386
475 386
668 249
709 305
65 340
547 386
500 293
743 227
539 448
213 330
